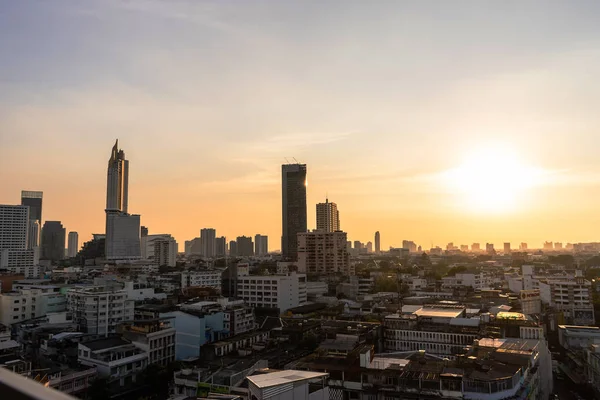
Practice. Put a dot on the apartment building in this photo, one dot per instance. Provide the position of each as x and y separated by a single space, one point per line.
271 291
238 319
476 281
573 297
321 252
155 337
99 309
117 360
201 278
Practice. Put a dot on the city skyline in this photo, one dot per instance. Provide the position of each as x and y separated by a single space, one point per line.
410 109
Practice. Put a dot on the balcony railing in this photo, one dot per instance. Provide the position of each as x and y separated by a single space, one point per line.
17 387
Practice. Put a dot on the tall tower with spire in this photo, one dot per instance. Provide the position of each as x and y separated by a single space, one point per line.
122 229
328 217
117 185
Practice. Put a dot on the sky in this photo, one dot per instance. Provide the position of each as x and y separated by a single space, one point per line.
462 121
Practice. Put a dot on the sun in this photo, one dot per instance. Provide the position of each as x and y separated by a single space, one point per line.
491 180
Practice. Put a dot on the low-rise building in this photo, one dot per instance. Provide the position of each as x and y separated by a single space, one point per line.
202 278
288 385
117 360
577 337
24 304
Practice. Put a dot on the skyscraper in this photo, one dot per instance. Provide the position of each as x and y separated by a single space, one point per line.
117 185
73 244
322 252
328 217
507 249
208 237
377 242
53 241
261 245
122 229
33 200
293 196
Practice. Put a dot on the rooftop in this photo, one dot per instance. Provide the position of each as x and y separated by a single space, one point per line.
434 312
284 377
106 343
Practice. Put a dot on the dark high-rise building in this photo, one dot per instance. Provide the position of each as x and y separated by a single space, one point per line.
117 186
53 241
34 201
221 245
233 248
377 242
245 247
293 196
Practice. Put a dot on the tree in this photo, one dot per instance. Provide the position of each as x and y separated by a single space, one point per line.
386 284
156 380
456 270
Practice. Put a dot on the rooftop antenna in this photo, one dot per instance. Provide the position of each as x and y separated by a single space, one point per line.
294 158
286 160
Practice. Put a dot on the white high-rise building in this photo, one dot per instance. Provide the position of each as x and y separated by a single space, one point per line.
328 217
208 238
261 245
122 236
14 232
73 244
14 221
147 244
323 253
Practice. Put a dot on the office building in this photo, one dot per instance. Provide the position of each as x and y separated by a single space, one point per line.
244 246
377 243
33 199
261 245
523 246
507 249
572 297
209 244
221 246
489 248
271 291
33 233
73 244
53 241
99 309
321 252
293 196
117 186
475 247
328 217
122 236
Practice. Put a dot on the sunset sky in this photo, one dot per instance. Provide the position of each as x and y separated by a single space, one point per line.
463 121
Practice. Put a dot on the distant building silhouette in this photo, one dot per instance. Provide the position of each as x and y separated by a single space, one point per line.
53 241
261 245
377 243
293 196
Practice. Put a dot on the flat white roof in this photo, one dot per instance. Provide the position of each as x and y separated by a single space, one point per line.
283 377
439 312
